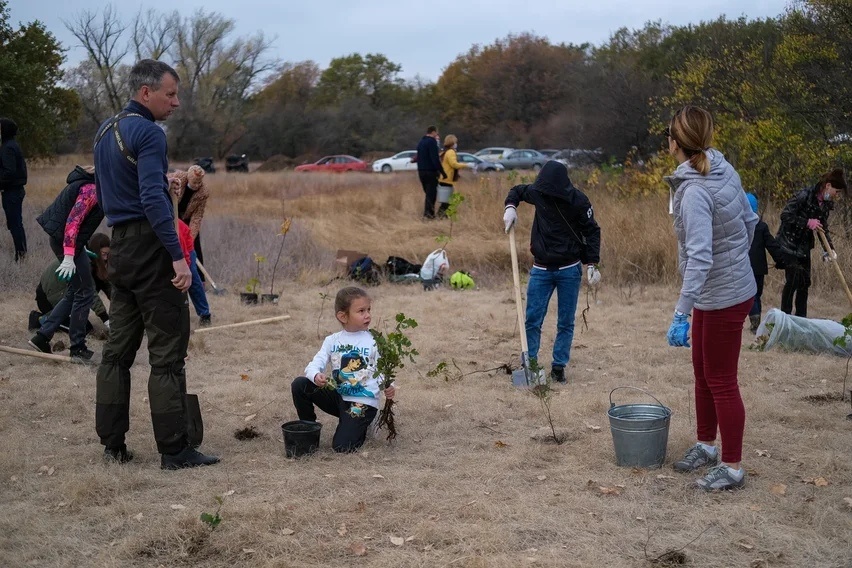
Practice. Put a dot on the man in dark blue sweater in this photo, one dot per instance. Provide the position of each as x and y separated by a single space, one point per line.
147 270
429 168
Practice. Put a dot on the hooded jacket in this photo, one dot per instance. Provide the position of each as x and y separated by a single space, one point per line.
794 237
192 197
564 229
13 168
715 226
65 211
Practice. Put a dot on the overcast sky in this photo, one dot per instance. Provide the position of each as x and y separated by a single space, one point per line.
422 36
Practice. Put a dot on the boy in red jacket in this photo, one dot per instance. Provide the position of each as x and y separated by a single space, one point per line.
196 289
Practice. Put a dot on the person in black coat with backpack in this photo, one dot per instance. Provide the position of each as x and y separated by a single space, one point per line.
763 242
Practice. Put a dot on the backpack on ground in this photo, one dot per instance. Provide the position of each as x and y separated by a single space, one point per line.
364 270
397 266
461 280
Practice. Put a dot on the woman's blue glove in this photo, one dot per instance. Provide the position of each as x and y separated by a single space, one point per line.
678 334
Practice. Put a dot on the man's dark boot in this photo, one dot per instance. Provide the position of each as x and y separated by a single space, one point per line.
117 455
557 374
189 457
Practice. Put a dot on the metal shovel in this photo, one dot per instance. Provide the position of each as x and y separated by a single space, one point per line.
216 290
522 377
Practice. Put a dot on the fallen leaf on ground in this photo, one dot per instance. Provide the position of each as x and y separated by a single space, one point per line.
744 544
409 539
229 493
447 405
754 507
609 490
287 532
593 428
248 551
328 475
763 453
500 444
138 516
250 417
178 507
358 548
397 540
663 476
778 489
378 476
244 377
848 501
541 477
818 481
342 530
51 471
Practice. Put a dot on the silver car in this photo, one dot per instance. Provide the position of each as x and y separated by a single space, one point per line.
524 160
478 164
493 154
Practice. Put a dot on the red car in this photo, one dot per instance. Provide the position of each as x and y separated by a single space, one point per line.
339 163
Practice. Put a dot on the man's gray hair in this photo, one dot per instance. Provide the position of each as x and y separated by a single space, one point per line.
149 72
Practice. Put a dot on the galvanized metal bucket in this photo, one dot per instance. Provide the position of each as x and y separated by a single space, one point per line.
640 432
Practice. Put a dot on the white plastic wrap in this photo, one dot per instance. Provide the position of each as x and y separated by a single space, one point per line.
802 334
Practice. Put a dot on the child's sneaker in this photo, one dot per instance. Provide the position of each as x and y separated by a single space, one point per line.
40 343
721 478
754 322
696 457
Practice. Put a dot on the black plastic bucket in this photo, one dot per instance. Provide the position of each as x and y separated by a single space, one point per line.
301 437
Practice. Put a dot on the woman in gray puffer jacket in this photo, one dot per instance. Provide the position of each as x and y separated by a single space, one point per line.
714 225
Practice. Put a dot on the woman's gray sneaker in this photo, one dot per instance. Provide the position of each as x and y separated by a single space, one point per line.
720 478
696 457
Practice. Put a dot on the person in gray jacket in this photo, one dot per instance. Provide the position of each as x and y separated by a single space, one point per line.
714 224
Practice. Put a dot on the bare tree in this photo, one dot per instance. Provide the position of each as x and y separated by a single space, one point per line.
153 34
102 38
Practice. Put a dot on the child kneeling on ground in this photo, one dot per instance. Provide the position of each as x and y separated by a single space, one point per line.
352 391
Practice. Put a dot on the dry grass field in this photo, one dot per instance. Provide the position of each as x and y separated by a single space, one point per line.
465 484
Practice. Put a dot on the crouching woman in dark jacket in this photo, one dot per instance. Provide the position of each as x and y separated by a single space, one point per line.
70 221
807 211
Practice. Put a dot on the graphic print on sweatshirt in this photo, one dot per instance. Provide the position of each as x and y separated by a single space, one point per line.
352 370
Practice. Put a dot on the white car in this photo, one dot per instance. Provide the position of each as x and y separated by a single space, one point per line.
493 154
397 163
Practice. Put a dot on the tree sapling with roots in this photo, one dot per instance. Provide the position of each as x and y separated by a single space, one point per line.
543 391
394 348
285 228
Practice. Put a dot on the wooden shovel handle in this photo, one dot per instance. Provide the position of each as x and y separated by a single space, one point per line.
821 234
519 304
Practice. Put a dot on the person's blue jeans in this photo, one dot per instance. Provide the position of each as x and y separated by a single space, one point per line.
77 301
540 288
196 289
13 200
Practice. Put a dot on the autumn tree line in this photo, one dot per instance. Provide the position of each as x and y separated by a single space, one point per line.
779 89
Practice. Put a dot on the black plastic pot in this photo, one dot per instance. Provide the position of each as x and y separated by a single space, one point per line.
269 298
248 298
301 437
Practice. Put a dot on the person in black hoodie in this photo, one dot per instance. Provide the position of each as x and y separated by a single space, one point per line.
564 237
763 241
804 213
13 178
429 169
70 221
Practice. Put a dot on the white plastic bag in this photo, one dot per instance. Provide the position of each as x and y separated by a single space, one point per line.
802 334
435 264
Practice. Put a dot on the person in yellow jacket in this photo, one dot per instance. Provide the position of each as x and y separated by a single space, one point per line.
451 165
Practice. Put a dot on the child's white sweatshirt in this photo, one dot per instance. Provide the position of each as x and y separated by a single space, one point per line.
353 357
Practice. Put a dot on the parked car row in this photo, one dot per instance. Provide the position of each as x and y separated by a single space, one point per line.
233 163
493 159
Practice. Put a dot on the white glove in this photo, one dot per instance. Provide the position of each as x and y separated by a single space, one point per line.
593 275
510 216
832 254
106 325
66 269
